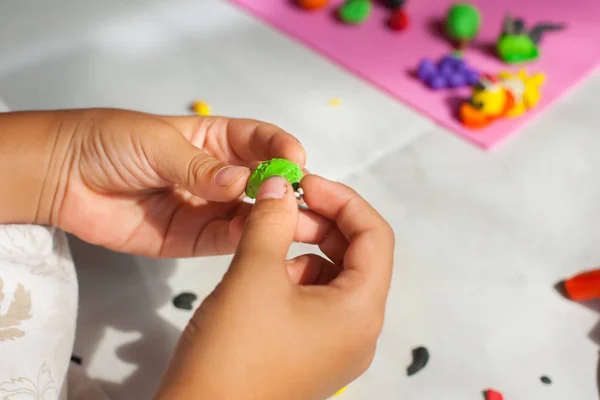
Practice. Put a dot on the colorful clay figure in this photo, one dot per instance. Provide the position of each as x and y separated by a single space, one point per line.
517 45
312 4
275 167
449 72
355 11
502 96
462 23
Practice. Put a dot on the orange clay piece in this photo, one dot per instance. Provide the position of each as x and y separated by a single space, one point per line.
583 287
472 118
312 4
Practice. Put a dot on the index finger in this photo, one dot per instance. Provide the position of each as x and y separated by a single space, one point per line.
239 141
369 256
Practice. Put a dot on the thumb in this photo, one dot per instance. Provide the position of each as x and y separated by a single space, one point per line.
177 160
269 230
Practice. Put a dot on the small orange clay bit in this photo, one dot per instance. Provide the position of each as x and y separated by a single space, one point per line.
585 286
312 4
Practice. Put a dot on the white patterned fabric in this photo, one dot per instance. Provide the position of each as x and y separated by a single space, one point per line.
38 312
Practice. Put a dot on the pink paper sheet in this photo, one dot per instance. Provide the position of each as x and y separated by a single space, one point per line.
387 58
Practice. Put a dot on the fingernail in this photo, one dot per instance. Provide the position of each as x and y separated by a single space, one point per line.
273 188
227 176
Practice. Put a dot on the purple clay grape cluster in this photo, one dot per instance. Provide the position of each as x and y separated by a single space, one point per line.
450 72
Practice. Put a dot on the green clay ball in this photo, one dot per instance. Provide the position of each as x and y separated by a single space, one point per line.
273 167
463 21
355 11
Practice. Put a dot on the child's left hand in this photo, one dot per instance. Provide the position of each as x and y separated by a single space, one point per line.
155 185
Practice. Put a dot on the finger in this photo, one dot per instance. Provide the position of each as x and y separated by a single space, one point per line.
239 141
311 269
269 230
312 228
369 256
178 161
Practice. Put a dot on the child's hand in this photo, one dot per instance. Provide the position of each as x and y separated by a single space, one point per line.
300 329
154 185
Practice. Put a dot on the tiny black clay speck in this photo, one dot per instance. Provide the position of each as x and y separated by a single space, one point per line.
546 380
184 300
76 359
420 358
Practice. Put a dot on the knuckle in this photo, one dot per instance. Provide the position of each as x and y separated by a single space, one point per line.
389 231
201 166
273 218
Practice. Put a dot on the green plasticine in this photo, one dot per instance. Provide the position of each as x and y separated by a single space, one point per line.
355 11
273 167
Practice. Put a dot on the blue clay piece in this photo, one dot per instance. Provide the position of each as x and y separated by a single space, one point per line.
450 71
426 70
424 74
451 62
460 65
427 63
456 80
472 77
447 70
437 82
445 63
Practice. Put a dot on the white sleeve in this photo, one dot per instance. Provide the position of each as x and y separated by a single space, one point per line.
38 312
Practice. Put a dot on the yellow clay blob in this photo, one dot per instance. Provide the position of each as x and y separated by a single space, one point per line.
201 108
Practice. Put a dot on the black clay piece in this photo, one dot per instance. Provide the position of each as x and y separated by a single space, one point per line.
184 300
76 359
394 4
546 380
420 357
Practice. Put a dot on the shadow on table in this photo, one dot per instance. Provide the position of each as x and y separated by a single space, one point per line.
594 334
120 294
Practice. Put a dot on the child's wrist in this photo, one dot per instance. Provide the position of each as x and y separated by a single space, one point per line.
28 141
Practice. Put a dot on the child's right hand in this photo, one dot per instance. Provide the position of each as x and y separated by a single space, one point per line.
300 329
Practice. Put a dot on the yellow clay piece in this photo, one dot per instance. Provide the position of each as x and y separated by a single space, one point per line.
528 92
201 108
342 390
335 102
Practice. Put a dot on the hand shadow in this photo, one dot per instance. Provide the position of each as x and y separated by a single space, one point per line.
120 292
594 334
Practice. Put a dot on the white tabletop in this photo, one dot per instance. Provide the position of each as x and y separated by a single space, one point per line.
482 237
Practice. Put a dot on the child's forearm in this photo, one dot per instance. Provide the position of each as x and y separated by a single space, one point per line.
28 141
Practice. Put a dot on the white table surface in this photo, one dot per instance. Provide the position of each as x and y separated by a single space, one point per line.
482 237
